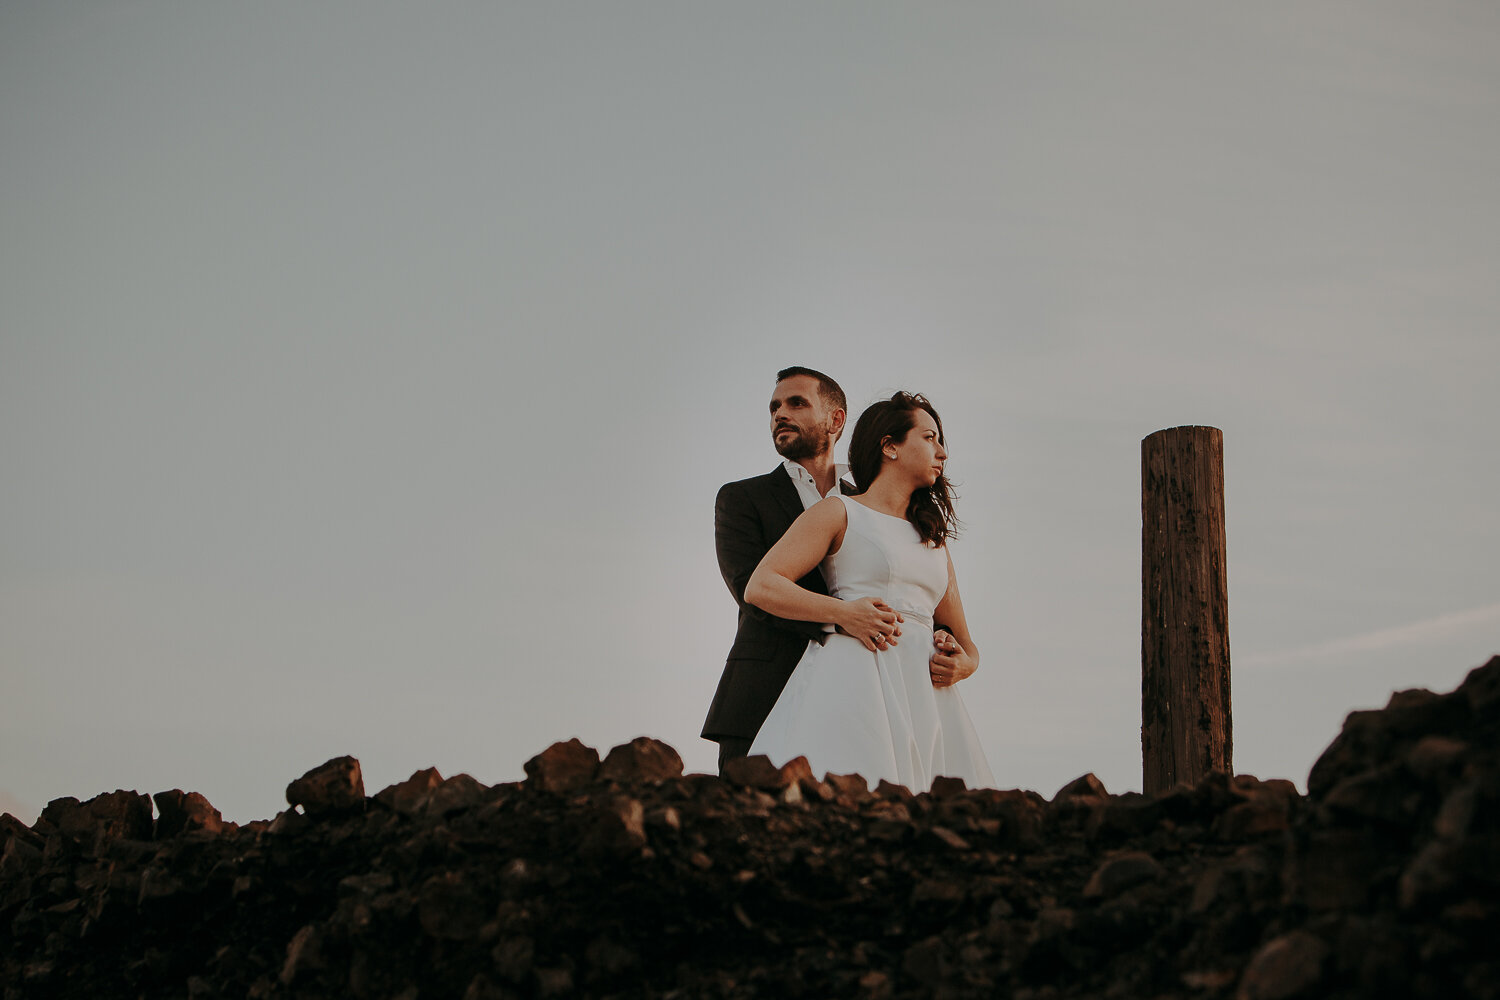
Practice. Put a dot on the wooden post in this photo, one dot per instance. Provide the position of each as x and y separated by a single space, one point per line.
1186 729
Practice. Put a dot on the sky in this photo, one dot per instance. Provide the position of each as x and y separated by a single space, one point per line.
368 370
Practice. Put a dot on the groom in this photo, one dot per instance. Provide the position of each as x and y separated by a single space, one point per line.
808 412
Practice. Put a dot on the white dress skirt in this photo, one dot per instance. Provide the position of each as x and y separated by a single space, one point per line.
852 711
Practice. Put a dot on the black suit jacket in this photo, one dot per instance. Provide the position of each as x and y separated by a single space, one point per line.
749 517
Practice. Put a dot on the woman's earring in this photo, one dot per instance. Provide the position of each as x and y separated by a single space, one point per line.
891 456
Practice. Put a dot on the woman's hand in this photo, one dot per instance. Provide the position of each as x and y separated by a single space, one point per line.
871 621
950 662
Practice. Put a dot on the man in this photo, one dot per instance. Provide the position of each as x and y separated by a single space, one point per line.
808 412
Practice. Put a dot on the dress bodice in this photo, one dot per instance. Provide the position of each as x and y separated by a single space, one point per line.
883 556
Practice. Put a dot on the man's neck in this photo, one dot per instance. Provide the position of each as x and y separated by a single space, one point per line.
821 469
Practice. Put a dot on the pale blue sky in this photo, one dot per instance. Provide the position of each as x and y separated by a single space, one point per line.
367 370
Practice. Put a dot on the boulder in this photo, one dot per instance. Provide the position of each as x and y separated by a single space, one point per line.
642 759
450 908
759 772
1083 787
180 812
1121 872
408 797
333 787
103 818
563 767
1289 966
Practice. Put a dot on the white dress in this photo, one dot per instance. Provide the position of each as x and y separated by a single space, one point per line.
852 711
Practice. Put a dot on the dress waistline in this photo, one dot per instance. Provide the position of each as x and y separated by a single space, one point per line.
916 616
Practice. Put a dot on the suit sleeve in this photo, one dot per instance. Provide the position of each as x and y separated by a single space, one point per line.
740 541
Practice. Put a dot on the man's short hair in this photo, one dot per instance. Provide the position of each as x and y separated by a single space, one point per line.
829 390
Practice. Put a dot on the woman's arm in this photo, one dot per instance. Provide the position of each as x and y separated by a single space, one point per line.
813 536
956 656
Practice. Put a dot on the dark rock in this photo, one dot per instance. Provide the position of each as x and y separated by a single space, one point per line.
183 812
1432 875
853 786
892 791
642 759
20 857
1289 966
945 838
1432 758
616 827
947 788
608 960
333 787
103 818
1121 872
304 955
1022 815
554 982
513 957
1387 796
563 767
13 829
1125 816
926 963
1260 816
481 987
286 822
1456 816
635 882
409 796
875 985
1387 735
457 793
1085 787
759 772
449 908
1336 869
1482 688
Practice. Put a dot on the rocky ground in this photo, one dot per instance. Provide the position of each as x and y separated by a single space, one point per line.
625 878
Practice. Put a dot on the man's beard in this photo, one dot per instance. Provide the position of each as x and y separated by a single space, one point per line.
801 446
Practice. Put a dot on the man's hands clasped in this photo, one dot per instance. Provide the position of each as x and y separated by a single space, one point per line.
871 621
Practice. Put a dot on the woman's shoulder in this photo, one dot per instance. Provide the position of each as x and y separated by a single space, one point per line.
831 506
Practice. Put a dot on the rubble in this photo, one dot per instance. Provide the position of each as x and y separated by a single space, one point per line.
626 878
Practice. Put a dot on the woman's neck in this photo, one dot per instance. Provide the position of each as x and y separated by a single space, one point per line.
889 496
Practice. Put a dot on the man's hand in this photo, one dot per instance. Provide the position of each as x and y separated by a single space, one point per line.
950 662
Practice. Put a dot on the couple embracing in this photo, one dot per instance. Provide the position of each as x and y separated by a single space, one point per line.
851 631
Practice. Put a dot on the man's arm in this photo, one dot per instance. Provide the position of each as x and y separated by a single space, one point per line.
739 541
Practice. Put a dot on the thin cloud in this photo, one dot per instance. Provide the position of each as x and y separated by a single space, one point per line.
1428 630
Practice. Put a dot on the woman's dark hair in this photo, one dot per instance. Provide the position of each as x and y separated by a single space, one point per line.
930 509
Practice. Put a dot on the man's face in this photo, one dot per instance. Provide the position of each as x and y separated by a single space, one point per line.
802 425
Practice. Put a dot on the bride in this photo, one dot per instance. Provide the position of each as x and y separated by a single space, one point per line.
867 700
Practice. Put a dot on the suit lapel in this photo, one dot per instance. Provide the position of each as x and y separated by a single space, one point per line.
785 492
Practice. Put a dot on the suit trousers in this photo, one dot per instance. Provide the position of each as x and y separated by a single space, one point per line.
731 747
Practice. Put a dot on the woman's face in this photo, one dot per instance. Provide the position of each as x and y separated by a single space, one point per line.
921 455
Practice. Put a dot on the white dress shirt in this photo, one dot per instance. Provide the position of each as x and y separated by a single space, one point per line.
806 488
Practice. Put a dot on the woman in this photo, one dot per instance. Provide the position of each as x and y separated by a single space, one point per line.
867 701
